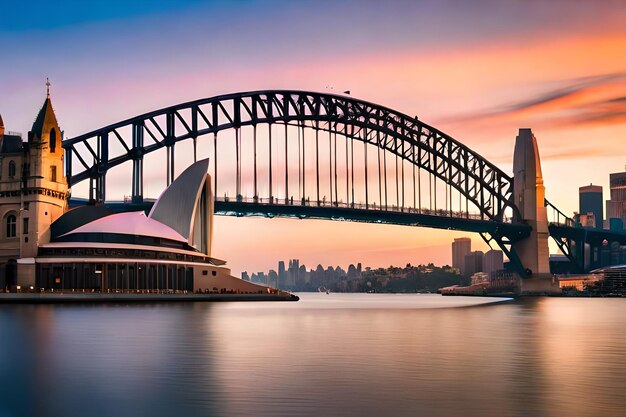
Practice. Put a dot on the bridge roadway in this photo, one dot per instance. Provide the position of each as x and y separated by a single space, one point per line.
595 237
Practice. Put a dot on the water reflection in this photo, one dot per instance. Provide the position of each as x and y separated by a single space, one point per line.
332 355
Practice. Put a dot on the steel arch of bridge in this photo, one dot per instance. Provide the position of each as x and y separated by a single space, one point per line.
478 180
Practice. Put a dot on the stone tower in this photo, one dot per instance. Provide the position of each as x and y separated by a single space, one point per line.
529 195
44 188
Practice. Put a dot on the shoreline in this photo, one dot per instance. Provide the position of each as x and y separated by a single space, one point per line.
47 298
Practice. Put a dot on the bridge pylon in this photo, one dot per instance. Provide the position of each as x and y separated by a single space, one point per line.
529 195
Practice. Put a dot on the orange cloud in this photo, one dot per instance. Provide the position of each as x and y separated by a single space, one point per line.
593 100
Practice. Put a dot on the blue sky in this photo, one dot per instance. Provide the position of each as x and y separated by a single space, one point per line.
50 15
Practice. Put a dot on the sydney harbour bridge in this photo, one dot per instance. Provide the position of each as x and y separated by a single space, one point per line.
313 155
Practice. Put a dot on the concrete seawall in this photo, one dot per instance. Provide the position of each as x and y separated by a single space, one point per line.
33 298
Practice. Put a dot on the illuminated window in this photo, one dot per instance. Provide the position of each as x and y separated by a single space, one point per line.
11 226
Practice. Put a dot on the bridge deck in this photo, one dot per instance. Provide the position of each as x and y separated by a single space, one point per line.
325 211
595 237
405 218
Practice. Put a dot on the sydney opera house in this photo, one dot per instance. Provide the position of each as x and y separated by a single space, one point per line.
45 247
168 249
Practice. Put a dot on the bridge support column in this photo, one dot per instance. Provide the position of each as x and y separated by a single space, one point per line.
170 164
529 195
137 185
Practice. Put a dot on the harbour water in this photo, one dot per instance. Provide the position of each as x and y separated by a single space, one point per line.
326 355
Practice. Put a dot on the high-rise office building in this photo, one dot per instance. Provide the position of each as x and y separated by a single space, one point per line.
460 247
616 206
282 274
493 261
590 201
473 263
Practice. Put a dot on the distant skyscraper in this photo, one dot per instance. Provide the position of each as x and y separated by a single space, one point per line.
303 275
282 275
616 206
493 261
460 248
590 201
352 272
473 263
272 278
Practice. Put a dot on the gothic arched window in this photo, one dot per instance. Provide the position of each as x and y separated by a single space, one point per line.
11 169
11 226
53 140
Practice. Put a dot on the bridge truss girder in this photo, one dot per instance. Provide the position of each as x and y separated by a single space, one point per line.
478 180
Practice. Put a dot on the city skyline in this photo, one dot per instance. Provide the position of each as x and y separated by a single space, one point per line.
481 80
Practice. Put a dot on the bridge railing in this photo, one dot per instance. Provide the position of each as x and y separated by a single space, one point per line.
305 202
556 216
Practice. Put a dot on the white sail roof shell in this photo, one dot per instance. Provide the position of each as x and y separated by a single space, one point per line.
130 223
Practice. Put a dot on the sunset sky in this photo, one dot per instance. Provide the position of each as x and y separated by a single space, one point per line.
476 70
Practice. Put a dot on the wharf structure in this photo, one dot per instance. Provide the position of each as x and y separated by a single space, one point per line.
613 279
45 247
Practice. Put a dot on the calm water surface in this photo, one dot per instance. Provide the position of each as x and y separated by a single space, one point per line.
327 355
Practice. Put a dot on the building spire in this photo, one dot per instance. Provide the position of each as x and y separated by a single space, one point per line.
45 120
